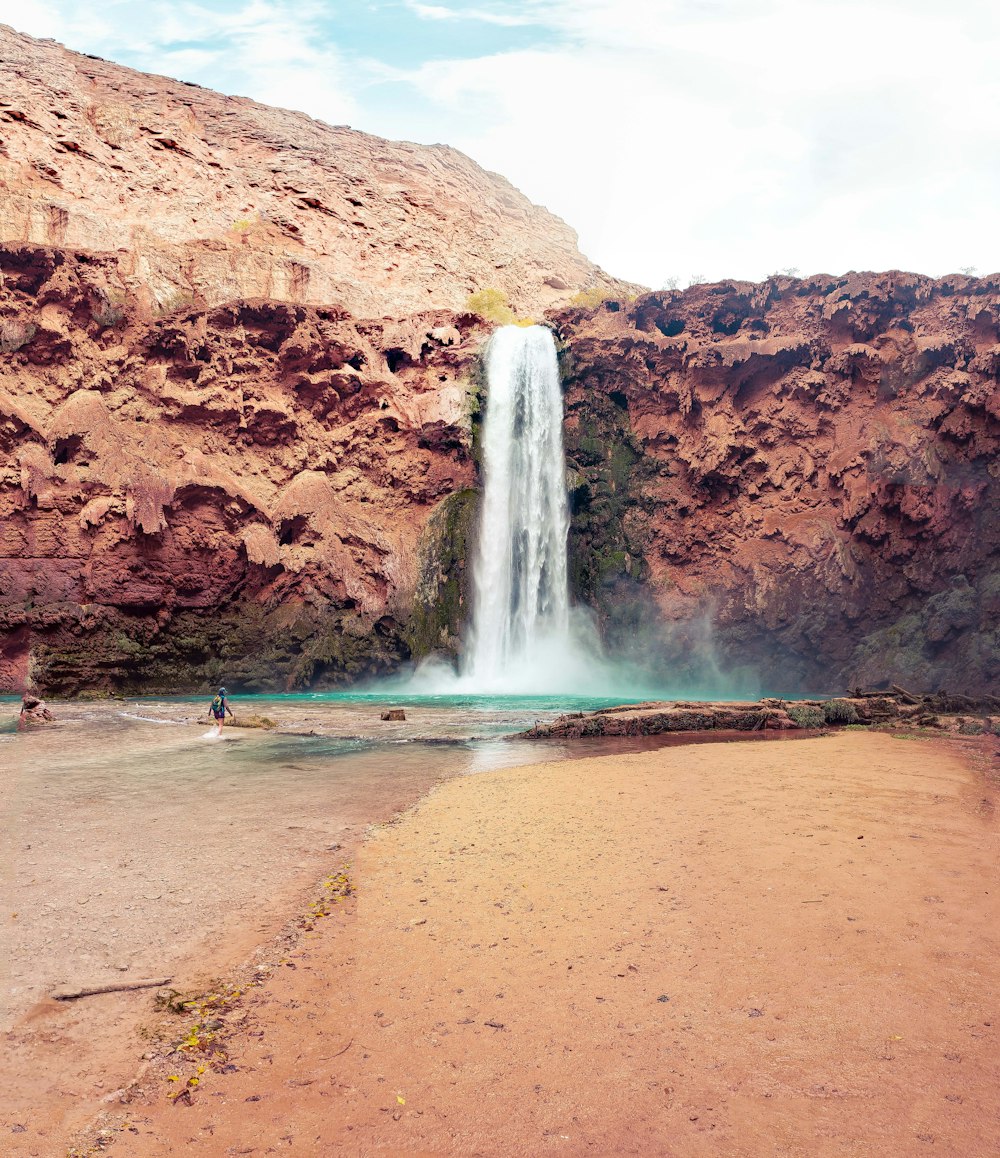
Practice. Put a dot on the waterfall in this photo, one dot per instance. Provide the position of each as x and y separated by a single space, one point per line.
520 638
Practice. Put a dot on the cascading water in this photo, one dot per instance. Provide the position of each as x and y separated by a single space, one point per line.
520 638
524 638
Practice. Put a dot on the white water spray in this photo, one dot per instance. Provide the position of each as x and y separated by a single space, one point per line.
521 638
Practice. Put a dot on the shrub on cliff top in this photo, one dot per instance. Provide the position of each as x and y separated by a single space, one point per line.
491 305
597 296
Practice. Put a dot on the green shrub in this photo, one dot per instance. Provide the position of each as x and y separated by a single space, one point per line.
174 302
840 712
970 728
598 295
807 715
491 305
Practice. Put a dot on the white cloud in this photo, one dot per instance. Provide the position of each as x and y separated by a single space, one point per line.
484 15
717 138
676 136
272 50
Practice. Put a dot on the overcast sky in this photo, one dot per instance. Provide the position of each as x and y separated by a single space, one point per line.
718 138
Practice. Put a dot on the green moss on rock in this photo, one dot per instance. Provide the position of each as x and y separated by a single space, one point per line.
604 464
248 647
441 597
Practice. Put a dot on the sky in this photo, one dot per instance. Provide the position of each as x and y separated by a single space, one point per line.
683 139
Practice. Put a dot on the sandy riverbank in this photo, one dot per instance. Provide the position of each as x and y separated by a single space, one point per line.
131 848
747 949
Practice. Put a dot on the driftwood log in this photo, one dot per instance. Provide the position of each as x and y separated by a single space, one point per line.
111 987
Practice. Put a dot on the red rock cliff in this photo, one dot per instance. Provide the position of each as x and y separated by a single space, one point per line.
210 467
802 475
258 490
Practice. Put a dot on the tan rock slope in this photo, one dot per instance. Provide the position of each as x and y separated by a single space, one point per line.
205 198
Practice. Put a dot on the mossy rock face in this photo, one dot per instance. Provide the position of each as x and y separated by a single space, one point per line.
441 599
604 465
255 648
936 643
245 646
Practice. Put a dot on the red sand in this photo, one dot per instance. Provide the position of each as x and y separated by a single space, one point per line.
740 950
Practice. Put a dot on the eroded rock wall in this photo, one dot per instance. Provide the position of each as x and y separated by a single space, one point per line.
244 492
793 482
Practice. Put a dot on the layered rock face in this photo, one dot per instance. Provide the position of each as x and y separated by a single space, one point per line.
205 198
799 478
791 485
254 492
208 465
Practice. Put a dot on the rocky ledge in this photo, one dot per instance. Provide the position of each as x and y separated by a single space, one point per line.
944 712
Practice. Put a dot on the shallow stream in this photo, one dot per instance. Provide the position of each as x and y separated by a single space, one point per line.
132 842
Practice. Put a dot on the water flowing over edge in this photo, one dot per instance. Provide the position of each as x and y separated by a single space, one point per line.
523 638
520 626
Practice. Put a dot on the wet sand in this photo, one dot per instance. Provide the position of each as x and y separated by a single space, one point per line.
131 847
742 949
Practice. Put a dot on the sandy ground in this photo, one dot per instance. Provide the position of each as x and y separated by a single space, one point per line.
789 948
131 852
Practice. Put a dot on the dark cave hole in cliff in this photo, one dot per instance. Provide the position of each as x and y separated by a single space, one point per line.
619 399
396 359
292 531
671 327
68 450
727 322
579 499
358 362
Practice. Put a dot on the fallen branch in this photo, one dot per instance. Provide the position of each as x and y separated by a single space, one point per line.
114 987
904 695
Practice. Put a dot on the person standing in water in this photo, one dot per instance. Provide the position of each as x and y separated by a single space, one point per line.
219 707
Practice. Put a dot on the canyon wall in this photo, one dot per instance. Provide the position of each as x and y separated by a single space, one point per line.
239 395
795 483
261 491
792 485
204 198
211 464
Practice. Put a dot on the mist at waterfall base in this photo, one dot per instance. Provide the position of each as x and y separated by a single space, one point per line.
524 637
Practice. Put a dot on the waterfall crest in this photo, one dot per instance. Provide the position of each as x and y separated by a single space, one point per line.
520 637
